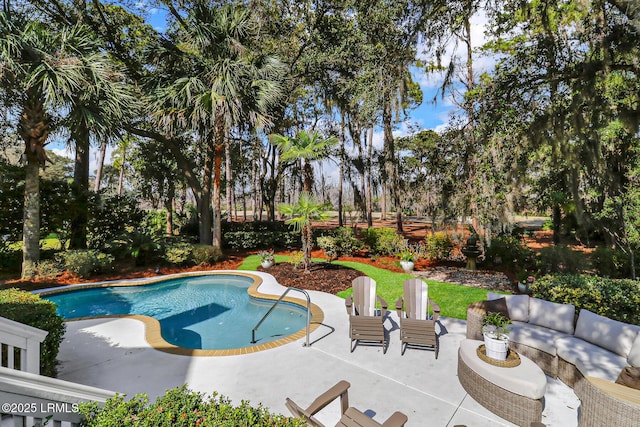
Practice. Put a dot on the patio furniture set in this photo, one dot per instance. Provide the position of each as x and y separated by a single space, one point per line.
366 325
587 354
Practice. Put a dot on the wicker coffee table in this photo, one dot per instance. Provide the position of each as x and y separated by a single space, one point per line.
515 394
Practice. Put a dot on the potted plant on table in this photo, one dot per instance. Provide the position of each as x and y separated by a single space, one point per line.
495 328
407 260
266 258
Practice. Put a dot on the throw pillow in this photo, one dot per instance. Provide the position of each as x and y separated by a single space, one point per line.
497 306
630 377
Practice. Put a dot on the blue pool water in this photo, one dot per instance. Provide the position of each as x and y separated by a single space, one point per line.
204 312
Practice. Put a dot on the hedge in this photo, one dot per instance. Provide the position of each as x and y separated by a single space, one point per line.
617 299
260 239
180 407
30 309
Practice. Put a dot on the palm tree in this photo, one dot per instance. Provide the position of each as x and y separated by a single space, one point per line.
306 210
43 68
305 146
223 84
97 113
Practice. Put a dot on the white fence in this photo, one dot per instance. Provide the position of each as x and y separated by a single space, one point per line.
28 399
20 346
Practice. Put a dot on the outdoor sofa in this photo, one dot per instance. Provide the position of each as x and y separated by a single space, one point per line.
587 353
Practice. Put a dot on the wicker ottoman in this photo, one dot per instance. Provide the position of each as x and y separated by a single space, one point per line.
515 394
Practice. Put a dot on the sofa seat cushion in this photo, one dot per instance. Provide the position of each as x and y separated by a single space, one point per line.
590 359
606 333
540 338
518 305
552 315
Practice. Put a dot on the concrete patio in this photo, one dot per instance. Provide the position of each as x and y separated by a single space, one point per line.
113 354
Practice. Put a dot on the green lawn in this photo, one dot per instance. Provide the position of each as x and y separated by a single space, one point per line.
453 299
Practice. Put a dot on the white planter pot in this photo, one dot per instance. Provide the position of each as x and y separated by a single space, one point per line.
407 266
496 348
523 288
266 264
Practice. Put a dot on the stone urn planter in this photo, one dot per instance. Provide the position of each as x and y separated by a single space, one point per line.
407 266
266 263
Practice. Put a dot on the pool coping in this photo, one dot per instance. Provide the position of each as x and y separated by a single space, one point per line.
153 334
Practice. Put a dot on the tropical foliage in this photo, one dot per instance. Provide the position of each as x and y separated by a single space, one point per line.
259 103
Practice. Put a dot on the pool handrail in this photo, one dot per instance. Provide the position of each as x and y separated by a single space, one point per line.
290 288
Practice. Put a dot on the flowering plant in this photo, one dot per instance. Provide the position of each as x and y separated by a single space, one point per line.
530 280
266 255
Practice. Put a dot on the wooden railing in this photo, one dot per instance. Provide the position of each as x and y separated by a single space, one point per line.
20 346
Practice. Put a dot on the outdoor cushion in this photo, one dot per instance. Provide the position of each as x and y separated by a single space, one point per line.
527 379
518 305
606 333
552 315
538 337
590 359
634 353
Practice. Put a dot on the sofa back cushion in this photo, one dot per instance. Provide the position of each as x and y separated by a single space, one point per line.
609 334
518 305
552 315
634 353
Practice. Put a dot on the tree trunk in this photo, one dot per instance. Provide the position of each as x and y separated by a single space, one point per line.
229 178
33 127
103 153
219 144
369 181
204 207
80 190
557 222
391 163
121 176
168 205
31 216
341 179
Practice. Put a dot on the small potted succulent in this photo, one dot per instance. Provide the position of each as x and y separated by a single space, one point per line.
407 260
266 258
495 328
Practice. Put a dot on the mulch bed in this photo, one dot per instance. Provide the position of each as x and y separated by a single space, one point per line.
330 278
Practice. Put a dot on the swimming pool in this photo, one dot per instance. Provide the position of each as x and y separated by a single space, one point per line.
209 312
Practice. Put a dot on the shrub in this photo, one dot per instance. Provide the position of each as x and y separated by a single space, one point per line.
438 246
9 257
85 262
610 262
617 299
30 309
260 239
180 407
510 251
178 253
342 242
384 241
560 259
329 245
296 259
109 217
206 254
48 269
347 241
